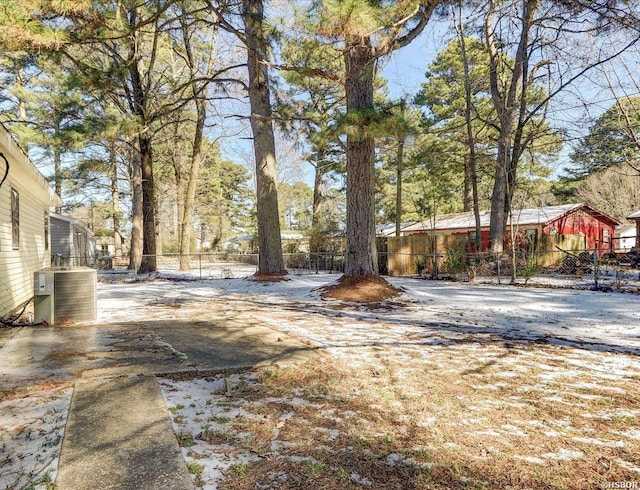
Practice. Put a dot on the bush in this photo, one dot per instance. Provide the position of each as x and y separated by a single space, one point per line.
455 262
421 264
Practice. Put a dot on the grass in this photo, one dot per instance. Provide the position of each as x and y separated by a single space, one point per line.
196 470
215 436
240 468
460 417
185 439
43 483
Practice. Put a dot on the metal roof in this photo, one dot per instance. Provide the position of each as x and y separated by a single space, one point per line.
520 217
389 229
626 228
72 221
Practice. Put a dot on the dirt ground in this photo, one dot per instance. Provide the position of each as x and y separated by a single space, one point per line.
364 289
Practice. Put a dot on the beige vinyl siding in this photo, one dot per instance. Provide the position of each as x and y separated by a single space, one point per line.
5 219
17 266
36 196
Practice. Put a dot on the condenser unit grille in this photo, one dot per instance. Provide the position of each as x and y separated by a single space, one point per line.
65 295
75 297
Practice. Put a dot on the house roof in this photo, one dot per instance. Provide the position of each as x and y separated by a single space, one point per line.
16 155
626 229
389 229
72 221
635 215
284 235
521 217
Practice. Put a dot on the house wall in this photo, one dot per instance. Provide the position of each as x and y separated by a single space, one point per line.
579 223
583 223
61 239
72 244
17 266
36 197
625 241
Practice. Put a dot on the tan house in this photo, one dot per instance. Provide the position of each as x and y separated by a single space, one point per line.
625 238
25 201
635 217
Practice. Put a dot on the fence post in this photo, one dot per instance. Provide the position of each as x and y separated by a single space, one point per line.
595 267
200 265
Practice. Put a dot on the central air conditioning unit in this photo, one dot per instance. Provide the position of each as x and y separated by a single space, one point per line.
64 295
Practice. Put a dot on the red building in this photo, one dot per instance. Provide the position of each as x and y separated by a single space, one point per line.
581 219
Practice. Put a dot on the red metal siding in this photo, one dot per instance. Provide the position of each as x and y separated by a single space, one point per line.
577 222
582 223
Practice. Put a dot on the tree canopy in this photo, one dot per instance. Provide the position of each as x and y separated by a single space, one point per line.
162 112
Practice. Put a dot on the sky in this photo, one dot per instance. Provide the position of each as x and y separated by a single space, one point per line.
406 67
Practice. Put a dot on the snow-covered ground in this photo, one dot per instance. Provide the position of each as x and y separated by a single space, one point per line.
31 431
429 314
444 311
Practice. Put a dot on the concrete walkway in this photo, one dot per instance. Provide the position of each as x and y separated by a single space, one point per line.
118 432
119 435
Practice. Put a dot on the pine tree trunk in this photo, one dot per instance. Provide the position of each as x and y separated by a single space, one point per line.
361 255
159 237
149 262
269 238
179 192
139 108
198 90
467 202
399 170
115 209
471 200
180 199
192 180
498 220
316 241
135 250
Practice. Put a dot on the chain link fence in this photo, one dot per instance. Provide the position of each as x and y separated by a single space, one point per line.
594 269
563 268
205 266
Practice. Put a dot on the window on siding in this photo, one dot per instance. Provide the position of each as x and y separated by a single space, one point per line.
46 230
471 236
15 219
